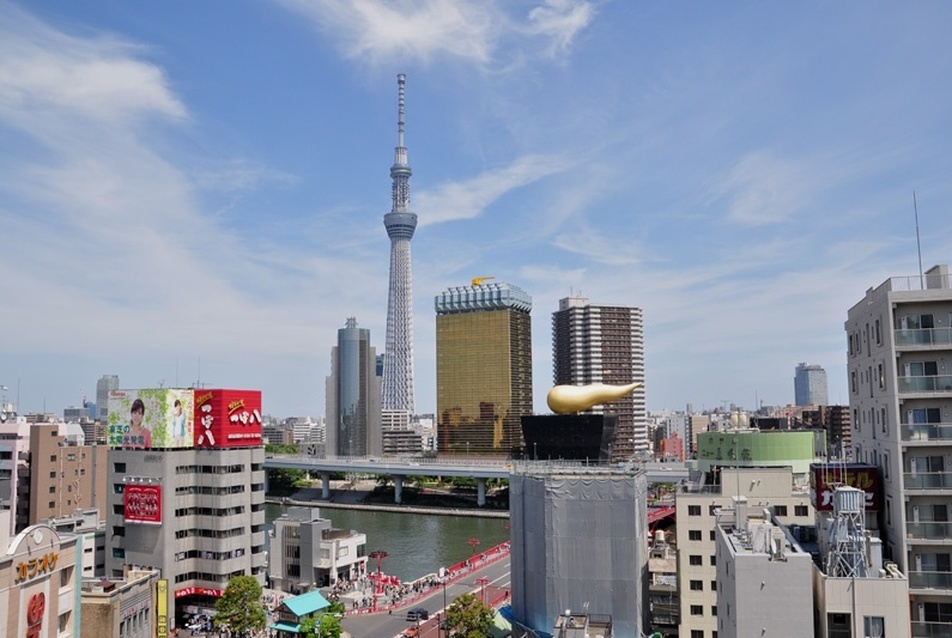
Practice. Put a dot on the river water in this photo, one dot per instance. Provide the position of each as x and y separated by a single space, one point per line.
416 544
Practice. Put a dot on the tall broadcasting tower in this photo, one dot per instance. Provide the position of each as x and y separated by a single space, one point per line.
400 224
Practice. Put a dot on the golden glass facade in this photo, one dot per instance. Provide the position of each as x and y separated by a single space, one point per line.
483 380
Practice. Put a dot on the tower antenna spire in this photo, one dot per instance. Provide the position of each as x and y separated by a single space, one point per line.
400 222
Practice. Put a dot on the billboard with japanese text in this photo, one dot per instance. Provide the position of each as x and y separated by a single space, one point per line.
142 503
826 477
154 418
227 418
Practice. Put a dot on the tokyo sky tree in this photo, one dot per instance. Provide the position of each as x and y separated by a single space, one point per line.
400 224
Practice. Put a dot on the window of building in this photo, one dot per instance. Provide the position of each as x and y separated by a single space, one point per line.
52 505
694 510
697 610
874 627
713 535
937 612
713 585
853 381
697 633
801 510
120 468
780 510
713 610
882 417
53 474
713 559
52 489
879 333
694 534
697 585
52 458
695 559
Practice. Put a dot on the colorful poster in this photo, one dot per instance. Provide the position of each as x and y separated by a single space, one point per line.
142 504
227 418
155 418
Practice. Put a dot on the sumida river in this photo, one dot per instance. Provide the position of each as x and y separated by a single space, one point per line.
416 544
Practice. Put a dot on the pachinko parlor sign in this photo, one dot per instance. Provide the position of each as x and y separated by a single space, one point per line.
227 418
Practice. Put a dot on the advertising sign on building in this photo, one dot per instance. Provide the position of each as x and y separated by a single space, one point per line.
155 418
227 418
826 477
142 504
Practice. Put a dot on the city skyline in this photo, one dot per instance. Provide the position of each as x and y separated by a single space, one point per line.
186 198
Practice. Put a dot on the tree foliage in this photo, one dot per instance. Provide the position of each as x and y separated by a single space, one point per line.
325 625
240 609
282 448
469 617
284 481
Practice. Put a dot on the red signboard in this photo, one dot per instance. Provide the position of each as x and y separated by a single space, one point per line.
198 591
826 477
142 504
227 418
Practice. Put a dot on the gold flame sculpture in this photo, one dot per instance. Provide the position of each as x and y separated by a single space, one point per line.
569 399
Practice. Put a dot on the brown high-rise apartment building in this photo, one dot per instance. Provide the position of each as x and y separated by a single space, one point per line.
483 368
64 475
604 344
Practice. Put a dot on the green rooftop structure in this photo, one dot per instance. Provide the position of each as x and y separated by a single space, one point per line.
293 610
760 448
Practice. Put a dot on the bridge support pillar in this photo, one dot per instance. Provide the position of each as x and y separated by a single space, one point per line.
481 492
397 489
325 485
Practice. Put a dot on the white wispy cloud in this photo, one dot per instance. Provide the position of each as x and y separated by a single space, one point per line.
764 189
469 30
469 198
560 21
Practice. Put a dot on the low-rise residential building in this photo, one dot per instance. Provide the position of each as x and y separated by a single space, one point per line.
306 552
124 607
764 585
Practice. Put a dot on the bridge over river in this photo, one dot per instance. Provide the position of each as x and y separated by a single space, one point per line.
476 468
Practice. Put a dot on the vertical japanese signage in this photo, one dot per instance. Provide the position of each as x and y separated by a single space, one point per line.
162 608
227 418
142 504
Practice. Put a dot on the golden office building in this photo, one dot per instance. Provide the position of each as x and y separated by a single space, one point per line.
483 368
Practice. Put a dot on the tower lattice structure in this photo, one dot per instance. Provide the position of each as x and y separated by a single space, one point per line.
400 223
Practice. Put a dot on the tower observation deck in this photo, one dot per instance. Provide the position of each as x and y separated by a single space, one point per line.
400 224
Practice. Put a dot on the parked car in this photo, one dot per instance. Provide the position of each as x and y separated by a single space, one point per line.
417 613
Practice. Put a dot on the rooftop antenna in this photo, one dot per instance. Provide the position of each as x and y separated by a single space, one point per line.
915 207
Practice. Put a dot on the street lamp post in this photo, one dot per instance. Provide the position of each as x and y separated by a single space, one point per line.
482 582
439 627
474 543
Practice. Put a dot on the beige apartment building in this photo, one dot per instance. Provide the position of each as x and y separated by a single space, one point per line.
778 488
899 338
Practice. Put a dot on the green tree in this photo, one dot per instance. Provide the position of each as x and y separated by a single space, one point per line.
240 609
284 481
469 617
325 625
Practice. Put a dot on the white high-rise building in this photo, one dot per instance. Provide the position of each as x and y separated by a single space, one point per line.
809 385
900 383
604 344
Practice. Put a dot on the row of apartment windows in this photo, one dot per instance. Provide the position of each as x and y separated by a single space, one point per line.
213 533
779 510
204 576
209 511
211 469
206 555
216 491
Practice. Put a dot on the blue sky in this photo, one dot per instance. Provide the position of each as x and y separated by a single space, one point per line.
196 190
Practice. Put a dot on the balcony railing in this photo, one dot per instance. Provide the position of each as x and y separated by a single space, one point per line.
937 383
924 337
931 629
929 530
930 580
926 432
927 480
